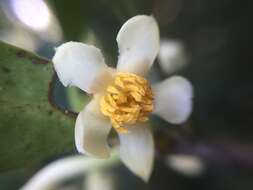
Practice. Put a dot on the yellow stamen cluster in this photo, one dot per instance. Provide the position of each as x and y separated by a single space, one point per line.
127 101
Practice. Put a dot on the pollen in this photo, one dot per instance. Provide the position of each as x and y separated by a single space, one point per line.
129 99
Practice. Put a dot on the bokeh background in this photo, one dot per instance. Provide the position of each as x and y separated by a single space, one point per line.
214 148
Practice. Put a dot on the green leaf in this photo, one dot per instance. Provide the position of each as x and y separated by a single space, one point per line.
31 130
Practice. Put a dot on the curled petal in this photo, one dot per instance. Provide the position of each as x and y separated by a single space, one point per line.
91 131
64 169
80 65
138 41
173 99
137 150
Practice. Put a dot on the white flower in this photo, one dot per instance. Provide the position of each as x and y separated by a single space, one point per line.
122 97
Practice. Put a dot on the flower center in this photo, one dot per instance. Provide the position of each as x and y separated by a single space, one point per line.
129 99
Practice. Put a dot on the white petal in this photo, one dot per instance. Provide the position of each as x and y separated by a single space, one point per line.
173 99
137 150
172 56
66 168
138 41
91 131
58 171
79 65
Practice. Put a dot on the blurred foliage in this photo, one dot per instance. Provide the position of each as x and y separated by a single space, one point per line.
73 17
104 18
31 130
217 35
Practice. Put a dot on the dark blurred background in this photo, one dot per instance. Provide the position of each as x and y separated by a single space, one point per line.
214 149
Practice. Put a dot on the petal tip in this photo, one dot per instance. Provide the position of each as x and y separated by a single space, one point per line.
145 174
138 18
139 42
78 64
178 93
137 151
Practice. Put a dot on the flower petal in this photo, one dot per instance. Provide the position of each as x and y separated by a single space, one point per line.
66 168
91 131
79 65
138 41
137 150
173 99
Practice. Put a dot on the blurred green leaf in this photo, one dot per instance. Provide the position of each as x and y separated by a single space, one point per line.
19 176
31 130
77 99
72 17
